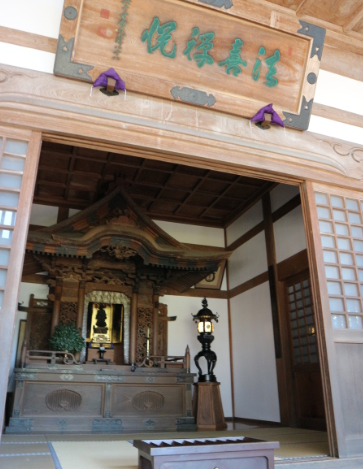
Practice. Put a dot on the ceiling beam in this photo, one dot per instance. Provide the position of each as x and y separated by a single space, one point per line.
193 191
252 200
163 188
354 21
304 7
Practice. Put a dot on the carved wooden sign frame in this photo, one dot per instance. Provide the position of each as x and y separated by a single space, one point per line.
201 53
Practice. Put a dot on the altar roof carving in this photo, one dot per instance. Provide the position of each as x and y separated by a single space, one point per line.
112 232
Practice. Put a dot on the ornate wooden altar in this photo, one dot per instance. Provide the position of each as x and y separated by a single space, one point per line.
112 258
107 267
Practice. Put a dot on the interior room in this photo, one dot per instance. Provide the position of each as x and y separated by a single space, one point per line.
265 341
181 234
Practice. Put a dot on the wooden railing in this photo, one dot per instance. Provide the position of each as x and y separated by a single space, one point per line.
51 357
166 361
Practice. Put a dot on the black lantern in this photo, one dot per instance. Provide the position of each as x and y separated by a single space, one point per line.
205 328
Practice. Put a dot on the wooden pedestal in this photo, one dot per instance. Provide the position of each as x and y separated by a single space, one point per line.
94 354
207 406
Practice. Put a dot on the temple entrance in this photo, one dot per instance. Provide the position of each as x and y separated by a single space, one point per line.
96 278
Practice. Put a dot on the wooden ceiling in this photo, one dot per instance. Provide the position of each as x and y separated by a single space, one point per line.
339 15
74 177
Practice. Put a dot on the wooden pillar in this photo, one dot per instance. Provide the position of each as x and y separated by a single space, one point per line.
57 304
155 321
9 306
133 326
80 309
280 330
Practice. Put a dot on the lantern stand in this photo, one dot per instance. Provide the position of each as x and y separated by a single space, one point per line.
207 403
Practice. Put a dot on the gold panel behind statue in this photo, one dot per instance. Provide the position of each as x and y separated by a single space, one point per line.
104 323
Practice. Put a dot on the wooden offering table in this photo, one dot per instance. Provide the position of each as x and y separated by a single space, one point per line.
51 397
222 453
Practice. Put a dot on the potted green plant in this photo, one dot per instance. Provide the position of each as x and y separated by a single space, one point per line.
66 337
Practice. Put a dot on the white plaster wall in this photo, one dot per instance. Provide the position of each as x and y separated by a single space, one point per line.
26 289
248 261
193 234
33 16
183 332
244 223
289 234
43 215
26 58
282 194
254 366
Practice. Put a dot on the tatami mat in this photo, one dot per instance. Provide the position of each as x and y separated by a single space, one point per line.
111 451
18 448
28 462
96 455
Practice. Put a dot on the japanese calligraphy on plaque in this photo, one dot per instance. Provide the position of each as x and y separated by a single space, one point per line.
194 53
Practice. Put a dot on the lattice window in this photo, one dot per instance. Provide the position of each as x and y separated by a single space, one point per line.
12 162
341 229
302 323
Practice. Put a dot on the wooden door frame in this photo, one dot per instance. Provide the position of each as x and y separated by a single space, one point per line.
309 218
324 339
15 266
63 111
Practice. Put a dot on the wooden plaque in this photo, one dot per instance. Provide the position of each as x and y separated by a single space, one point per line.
198 53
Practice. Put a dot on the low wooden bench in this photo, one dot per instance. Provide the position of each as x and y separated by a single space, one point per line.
213 453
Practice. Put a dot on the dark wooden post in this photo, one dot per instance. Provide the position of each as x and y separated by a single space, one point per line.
57 304
156 320
81 294
133 326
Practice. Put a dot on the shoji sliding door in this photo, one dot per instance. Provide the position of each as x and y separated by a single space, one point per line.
336 225
19 156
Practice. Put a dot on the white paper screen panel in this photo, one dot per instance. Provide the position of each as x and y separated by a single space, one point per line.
341 231
12 162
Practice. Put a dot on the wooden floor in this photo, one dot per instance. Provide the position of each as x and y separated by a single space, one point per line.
90 451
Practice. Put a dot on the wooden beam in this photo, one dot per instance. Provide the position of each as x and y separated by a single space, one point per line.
246 237
249 284
250 202
197 293
25 39
63 213
277 214
286 208
35 278
343 62
280 331
303 8
230 342
354 21
293 265
337 115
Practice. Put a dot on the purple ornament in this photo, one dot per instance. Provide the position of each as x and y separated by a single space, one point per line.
111 73
259 117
